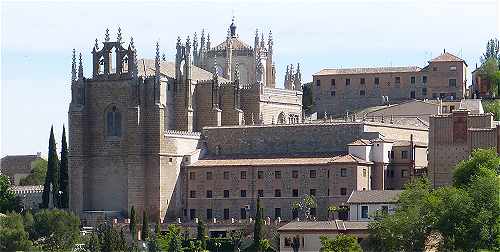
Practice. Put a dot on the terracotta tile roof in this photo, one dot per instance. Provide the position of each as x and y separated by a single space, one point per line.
324 225
407 143
146 67
360 142
367 70
276 160
446 56
374 196
237 45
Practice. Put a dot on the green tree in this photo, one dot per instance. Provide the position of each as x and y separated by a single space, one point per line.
201 234
13 237
133 223
52 177
492 106
145 226
37 174
259 219
171 241
28 222
8 200
305 205
264 245
111 239
93 243
481 163
56 229
490 70
307 97
340 243
492 51
63 173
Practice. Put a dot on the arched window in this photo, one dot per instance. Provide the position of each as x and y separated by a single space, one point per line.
113 122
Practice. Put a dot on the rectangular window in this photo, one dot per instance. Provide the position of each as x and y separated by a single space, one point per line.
192 214
243 175
397 79
226 213
192 176
277 174
312 192
404 173
434 69
452 108
243 213
364 172
404 154
392 154
312 173
277 193
343 191
424 79
295 174
226 175
377 81
332 93
209 214
209 175
243 193
209 194
452 82
192 194
260 174
424 91
364 212
412 80
277 213
333 82
318 83
343 172
362 92
362 81
385 209
412 94
295 193
347 82
226 193
453 68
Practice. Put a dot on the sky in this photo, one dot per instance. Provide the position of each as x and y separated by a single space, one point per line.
37 39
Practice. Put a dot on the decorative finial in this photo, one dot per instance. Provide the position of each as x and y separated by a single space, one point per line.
270 39
106 36
188 42
262 41
73 66
237 71
163 57
119 37
80 67
157 62
232 28
96 46
132 43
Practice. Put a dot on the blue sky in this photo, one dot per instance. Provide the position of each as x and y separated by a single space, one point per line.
37 39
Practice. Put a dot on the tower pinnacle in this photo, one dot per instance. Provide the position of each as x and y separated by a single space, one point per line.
232 28
106 36
119 37
73 66
80 68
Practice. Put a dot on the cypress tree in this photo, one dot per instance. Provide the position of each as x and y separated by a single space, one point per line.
133 225
201 234
145 226
257 233
63 172
52 177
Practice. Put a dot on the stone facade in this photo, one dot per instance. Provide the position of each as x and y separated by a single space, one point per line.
452 137
17 167
31 196
337 91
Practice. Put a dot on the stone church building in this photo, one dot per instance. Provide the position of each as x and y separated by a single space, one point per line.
134 120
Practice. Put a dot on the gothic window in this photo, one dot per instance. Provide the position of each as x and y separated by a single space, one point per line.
113 122
125 64
281 118
101 65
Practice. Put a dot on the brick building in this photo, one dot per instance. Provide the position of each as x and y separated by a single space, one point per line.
17 167
452 137
336 91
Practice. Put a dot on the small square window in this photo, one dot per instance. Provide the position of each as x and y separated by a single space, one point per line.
277 213
404 173
376 80
209 175
412 80
397 79
404 154
243 213
364 172
364 212
192 194
343 191
295 193
343 172
332 93
452 82
209 194
333 82
192 176
434 69
424 91
362 92
243 193
226 213
318 83
192 214
312 192
424 79
260 174
312 173
243 175
453 68
226 193
226 175
277 193
277 174
362 81
347 82
295 174
209 214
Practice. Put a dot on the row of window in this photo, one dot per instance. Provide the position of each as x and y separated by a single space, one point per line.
404 173
243 213
404 154
363 93
260 193
260 174
376 81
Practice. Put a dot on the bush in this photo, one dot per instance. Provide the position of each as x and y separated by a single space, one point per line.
56 229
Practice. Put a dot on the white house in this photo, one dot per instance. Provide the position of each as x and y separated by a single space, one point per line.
364 204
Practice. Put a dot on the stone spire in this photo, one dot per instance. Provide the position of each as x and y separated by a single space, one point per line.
270 41
73 66
208 41
106 36
298 78
132 46
119 36
286 83
80 68
232 29
195 49
96 46
163 57
256 43
157 62
262 41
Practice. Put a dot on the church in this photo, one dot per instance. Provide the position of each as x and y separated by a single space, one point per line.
134 120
